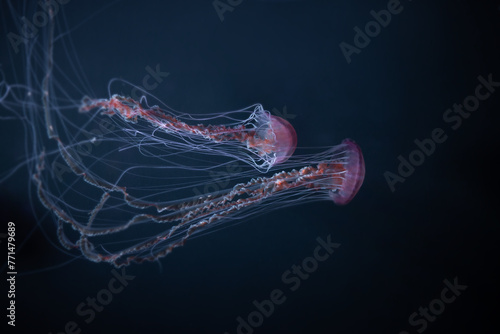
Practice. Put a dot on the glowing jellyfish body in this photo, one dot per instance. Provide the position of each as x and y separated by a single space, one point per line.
354 176
262 140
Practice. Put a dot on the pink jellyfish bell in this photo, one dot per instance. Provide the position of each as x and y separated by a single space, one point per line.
353 176
286 138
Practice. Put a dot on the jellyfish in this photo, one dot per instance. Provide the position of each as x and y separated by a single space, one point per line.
119 175
335 174
261 140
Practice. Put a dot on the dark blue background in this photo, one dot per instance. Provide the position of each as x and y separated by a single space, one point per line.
396 247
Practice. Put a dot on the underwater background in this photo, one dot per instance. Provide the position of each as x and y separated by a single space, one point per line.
398 245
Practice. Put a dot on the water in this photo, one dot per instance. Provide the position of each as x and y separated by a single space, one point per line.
396 247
